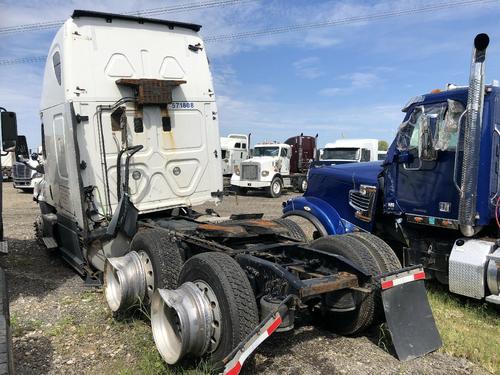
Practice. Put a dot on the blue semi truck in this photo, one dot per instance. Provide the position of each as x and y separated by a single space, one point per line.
435 199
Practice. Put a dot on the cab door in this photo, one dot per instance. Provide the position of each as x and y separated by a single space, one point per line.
285 154
425 185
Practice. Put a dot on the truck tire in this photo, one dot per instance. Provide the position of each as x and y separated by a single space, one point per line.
238 309
302 185
6 355
276 188
165 257
386 259
352 322
294 230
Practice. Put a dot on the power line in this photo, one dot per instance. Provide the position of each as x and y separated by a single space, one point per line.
343 21
145 12
23 60
298 27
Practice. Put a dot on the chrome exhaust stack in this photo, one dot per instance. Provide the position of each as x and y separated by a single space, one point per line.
472 134
124 281
185 321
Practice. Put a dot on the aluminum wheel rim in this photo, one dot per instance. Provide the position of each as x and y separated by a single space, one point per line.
216 313
304 185
148 274
276 187
112 288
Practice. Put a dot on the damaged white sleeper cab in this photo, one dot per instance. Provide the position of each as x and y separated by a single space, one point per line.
131 139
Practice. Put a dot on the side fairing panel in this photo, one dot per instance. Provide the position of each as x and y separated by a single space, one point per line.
62 188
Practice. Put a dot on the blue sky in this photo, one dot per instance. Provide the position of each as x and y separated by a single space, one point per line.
343 81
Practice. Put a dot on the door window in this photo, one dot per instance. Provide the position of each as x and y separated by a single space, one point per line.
365 154
56 61
283 152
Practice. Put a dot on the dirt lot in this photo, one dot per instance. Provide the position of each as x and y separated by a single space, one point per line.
62 327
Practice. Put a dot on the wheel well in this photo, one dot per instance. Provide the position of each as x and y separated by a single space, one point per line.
314 220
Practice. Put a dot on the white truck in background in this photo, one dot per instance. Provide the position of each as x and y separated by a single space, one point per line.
349 151
234 149
276 166
25 175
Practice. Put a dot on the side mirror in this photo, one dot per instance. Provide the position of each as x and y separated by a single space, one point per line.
9 131
34 156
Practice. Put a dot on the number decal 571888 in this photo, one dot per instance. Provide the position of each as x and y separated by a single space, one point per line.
181 105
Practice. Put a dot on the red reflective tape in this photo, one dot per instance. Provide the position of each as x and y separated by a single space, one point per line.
235 370
387 284
419 276
274 325
399 280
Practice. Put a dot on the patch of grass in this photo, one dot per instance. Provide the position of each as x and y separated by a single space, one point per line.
19 261
469 329
60 327
384 338
149 362
18 327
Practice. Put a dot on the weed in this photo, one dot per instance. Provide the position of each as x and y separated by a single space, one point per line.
469 328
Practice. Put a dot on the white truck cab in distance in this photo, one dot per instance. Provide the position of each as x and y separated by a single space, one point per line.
24 174
263 169
275 166
234 149
350 151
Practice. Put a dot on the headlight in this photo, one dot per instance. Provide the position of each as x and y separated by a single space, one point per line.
37 174
265 173
236 170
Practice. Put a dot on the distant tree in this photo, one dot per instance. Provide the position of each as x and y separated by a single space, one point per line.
382 145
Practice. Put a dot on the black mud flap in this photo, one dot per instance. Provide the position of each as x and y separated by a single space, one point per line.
408 313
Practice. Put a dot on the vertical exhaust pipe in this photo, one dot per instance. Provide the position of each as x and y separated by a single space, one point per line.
472 135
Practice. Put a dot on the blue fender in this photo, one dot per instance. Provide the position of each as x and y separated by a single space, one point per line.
318 212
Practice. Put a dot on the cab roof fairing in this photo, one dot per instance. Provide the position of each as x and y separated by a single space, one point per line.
78 13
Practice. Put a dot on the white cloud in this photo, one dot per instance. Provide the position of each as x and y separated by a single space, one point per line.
308 67
362 80
355 81
330 91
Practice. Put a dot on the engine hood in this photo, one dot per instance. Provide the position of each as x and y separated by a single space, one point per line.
350 173
333 184
260 159
265 162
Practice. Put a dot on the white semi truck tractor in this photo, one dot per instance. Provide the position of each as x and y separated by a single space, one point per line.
274 167
131 139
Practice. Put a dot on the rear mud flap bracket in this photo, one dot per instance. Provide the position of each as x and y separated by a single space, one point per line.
408 314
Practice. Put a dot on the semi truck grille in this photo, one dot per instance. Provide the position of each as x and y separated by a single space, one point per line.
362 201
358 201
249 172
21 171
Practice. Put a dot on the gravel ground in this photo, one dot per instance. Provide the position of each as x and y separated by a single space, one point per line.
62 327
